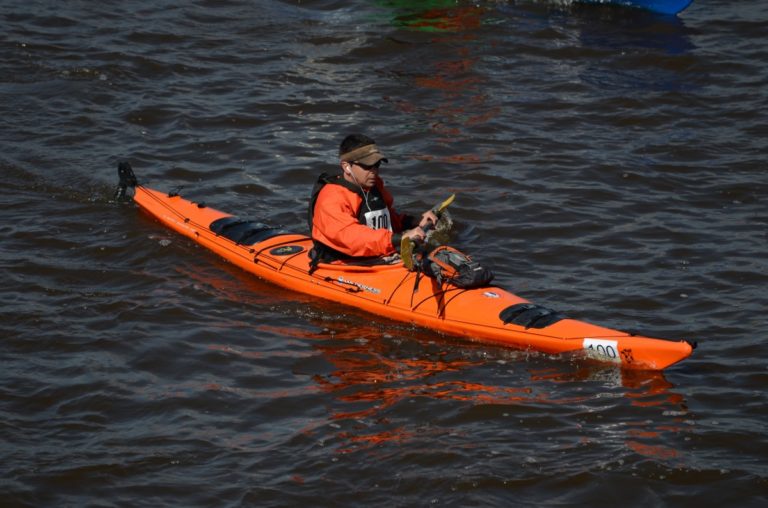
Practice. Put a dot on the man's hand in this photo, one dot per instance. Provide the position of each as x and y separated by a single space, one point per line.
419 233
416 234
428 219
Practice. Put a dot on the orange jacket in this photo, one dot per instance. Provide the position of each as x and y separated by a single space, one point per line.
336 223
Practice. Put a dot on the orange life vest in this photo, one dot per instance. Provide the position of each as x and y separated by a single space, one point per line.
347 223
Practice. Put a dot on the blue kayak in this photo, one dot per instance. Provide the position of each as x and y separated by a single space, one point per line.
660 6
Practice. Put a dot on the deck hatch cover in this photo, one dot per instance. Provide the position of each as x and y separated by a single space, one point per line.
530 315
244 232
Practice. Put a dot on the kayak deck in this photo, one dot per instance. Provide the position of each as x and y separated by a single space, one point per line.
489 314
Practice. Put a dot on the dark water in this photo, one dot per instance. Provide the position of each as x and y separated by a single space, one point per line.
608 163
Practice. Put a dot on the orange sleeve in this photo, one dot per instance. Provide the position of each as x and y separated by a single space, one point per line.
336 225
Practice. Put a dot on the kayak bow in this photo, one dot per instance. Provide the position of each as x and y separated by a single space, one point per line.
490 314
670 7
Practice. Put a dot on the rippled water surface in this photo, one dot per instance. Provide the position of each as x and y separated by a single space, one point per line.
609 163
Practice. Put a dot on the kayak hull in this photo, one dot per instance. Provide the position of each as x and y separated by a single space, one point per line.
670 7
489 314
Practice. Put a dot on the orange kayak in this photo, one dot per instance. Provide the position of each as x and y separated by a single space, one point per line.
489 314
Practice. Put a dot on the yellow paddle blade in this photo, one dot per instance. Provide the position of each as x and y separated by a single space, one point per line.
406 252
442 206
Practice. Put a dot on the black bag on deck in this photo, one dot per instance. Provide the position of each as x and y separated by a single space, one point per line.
447 264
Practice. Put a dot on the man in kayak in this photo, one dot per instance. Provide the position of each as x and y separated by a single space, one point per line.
351 215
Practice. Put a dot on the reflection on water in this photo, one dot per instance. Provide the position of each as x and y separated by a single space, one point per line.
632 31
435 15
459 102
375 375
647 51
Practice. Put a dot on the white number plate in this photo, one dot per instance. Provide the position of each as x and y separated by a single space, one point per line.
602 349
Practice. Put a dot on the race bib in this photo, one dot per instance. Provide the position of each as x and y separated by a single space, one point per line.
378 219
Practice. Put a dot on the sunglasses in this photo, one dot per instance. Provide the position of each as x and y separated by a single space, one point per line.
367 167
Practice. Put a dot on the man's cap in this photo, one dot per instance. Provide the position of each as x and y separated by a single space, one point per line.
368 155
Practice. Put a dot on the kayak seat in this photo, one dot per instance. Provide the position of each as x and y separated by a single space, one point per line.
530 315
244 232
